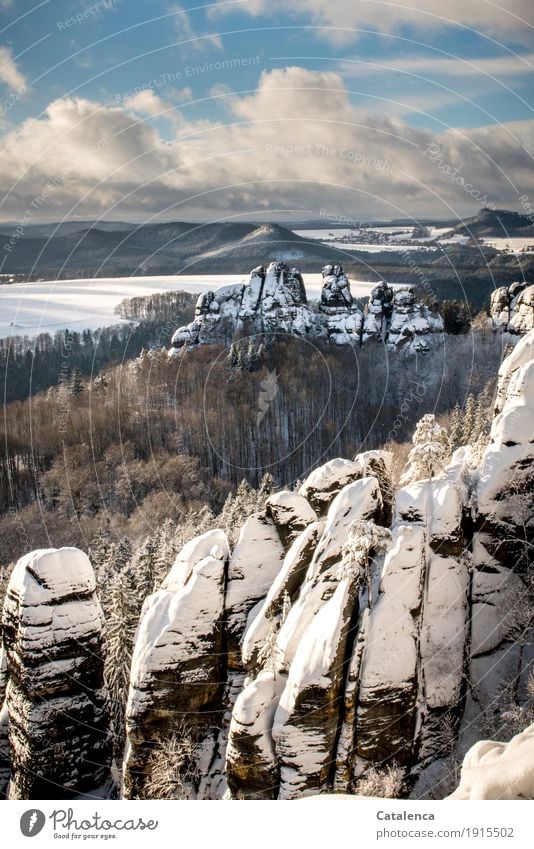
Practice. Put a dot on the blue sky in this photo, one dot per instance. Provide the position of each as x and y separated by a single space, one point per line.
187 77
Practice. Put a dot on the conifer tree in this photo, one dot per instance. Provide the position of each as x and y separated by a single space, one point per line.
430 452
75 383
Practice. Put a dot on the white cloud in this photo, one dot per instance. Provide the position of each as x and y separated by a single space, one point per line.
150 105
186 32
296 143
10 73
498 66
515 19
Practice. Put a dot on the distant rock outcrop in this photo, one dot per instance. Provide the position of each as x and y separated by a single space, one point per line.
512 308
56 701
274 301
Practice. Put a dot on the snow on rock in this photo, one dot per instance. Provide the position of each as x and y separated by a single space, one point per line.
273 300
386 714
212 543
175 683
497 593
291 513
55 696
397 319
285 585
324 483
251 765
254 564
306 720
443 644
439 505
512 308
379 464
342 317
444 631
506 480
346 746
522 353
494 770
359 501
522 309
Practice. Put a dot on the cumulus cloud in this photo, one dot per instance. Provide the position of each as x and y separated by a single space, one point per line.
515 19
296 143
150 105
10 73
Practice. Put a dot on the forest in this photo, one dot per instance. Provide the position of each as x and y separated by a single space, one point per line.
153 438
30 365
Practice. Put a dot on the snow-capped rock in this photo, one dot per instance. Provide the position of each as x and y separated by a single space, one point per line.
521 354
177 660
494 770
55 695
505 491
252 768
439 505
512 308
273 301
306 719
323 484
285 586
254 564
291 513
395 318
386 714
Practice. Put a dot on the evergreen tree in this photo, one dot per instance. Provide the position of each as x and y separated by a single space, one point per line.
469 420
456 429
121 623
364 540
430 452
75 383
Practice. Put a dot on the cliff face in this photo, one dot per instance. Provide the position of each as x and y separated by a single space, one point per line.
274 301
334 659
55 703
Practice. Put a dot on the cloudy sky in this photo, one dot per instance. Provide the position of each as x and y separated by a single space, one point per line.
264 109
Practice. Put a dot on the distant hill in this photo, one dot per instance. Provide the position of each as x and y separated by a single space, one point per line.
163 248
495 224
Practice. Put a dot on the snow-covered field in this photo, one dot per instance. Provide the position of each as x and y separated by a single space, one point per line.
515 244
27 309
395 234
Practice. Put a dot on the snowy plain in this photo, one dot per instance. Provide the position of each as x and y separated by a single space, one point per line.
27 309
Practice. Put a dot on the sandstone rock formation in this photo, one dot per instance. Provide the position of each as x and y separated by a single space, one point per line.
512 308
55 697
273 301
177 665
304 658
395 318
